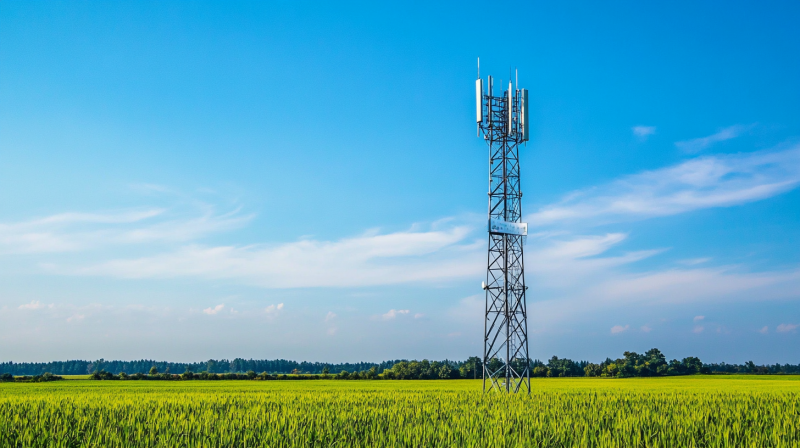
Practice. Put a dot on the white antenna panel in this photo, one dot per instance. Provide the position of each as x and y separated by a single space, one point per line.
490 89
510 108
479 99
524 114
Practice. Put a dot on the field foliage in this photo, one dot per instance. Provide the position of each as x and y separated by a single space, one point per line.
698 411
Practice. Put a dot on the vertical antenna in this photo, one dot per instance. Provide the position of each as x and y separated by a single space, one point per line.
480 96
510 108
516 78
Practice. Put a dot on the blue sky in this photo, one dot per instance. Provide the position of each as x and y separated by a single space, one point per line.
303 180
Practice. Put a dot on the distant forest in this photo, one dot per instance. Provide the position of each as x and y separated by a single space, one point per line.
651 363
238 365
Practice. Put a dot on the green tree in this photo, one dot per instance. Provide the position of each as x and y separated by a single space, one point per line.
153 370
593 370
494 364
445 372
541 371
471 368
692 365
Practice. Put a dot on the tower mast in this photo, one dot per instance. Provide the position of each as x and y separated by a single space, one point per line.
503 121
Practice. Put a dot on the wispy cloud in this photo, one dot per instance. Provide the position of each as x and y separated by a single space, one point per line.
698 329
698 318
76 317
698 144
616 329
571 260
34 305
393 314
574 276
273 309
787 328
70 232
369 259
643 131
214 310
764 330
705 182
607 289
330 316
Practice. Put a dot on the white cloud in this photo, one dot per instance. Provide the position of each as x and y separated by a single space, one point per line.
71 312
764 330
34 305
698 318
581 275
698 286
698 329
70 232
699 144
695 261
646 329
571 283
393 314
705 182
643 131
419 316
616 329
214 310
124 217
272 309
561 262
330 316
787 328
369 259
76 317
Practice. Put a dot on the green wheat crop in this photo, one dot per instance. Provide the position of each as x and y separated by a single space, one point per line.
662 412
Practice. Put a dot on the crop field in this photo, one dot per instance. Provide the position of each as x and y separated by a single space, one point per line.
696 411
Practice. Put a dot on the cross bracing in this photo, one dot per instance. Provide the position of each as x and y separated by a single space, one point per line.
506 364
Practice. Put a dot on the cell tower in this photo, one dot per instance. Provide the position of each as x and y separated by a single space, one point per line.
503 122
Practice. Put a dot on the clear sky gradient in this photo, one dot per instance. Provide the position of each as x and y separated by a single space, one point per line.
188 180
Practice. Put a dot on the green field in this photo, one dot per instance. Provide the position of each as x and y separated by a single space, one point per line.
696 411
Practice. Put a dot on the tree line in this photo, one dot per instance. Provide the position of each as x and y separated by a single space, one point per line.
238 365
632 364
401 370
47 376
651 363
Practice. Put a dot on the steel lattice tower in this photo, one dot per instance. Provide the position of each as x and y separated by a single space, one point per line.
503 122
